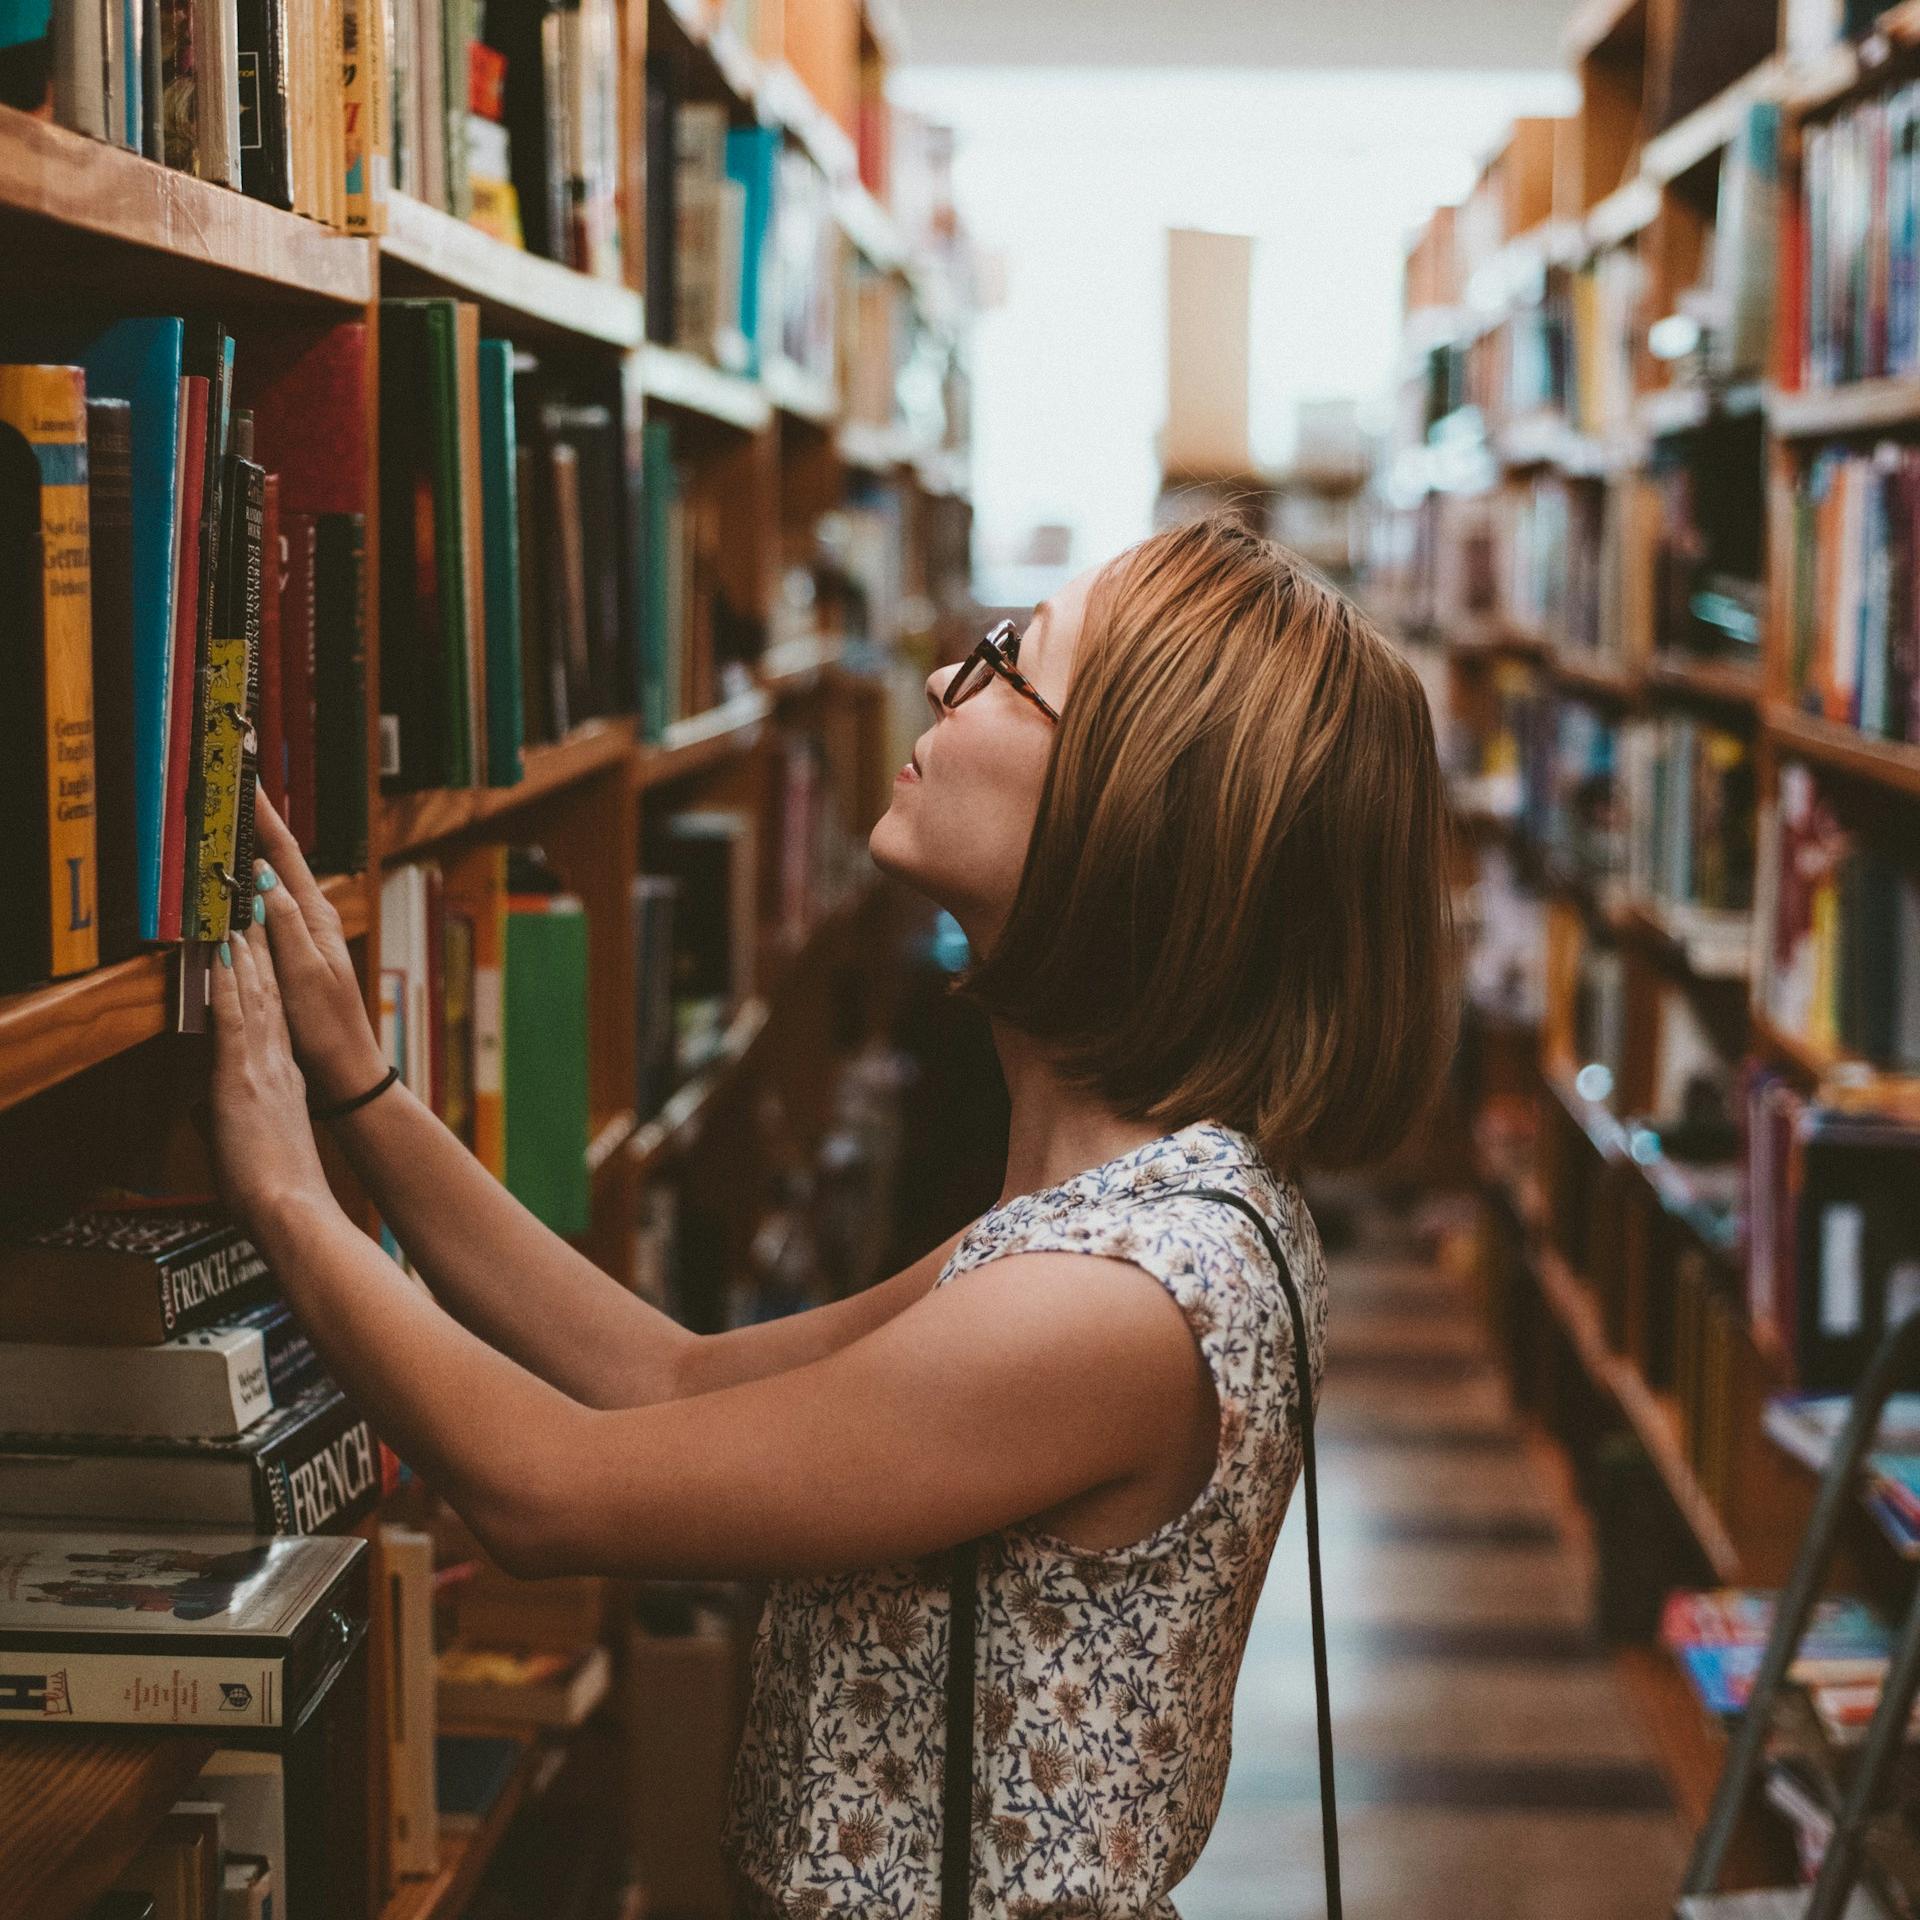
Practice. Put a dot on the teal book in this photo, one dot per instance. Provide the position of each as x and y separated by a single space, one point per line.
659 484
500 546
752 155
139 361
546 1059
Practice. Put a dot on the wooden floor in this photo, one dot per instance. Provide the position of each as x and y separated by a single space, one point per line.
1490 1767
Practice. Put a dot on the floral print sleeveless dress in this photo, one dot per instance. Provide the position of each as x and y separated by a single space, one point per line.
1105 1676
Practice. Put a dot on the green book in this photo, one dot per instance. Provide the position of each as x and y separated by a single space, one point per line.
500 488
659 486
546 1058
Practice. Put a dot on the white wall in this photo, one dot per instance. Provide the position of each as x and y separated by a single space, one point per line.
1074 177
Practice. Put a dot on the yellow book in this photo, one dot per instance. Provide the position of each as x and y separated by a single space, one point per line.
47 406
1823 1028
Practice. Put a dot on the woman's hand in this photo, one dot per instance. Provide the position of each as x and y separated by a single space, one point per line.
332 1036
264 1154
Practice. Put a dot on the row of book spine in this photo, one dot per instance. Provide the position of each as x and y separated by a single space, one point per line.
1839 923
188 559
273 97
1854 642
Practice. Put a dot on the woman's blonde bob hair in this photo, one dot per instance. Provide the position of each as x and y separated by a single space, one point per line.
1235 900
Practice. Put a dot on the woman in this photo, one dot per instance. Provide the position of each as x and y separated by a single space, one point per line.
1192 821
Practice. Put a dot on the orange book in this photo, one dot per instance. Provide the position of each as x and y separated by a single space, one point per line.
46 407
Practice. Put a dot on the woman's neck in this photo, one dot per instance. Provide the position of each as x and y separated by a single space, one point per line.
1053 1130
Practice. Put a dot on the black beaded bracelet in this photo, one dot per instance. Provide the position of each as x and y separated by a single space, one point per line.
340 1107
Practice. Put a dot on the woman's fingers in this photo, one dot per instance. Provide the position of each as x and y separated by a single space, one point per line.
288 932
282 853
229 1018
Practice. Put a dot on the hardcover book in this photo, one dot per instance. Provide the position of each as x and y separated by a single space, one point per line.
311 1467
109 1628
110 543
53 922
126 1276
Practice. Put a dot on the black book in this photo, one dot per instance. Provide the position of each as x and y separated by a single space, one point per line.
528 102
594 676
110 539
126 1276
312 1466
266 169
292 1364
340 691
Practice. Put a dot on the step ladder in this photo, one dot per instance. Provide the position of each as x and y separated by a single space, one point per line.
1834 1894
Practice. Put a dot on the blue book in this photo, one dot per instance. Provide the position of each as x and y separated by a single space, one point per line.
500 548
752 153
139 361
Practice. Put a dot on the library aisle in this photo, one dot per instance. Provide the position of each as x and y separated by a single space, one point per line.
1490 1761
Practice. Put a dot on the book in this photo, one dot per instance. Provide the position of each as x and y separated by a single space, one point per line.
547 1117
125 1275
196 400
298 552
138 361
1720 1637
26 57
710 852
178 1867
308 1467
406 1561
266 156
473 899
142 1628
270 717
506 726
339 758
471 1771
51 870
519 1687
110 549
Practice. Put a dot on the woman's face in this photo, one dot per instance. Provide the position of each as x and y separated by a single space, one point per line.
963 808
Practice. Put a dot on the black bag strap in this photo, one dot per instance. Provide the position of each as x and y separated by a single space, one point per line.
956 1840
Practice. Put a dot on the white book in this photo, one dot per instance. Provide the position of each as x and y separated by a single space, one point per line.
209 1382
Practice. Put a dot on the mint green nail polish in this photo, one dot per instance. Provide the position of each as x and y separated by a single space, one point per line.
259 910
266 879
226 954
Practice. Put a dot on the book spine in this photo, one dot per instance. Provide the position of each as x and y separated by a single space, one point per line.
340 692
47 406
297 639
110 543
250 526
198 1287
292 1364
217 353
198 1387
80 93
180 672
270 714
139 1689
323 1476
224 723
261 74
505 723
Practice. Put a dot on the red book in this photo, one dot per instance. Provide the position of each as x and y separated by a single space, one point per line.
186 632
436 991
308 393
272 728
297 542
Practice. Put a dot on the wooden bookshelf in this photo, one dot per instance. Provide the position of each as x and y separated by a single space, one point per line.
681 380
1894 764
1862 406
426 251
703 739
51 1033
76 1805
412 822
1850 66
1603 680
112 214
799 395
1623 213
1710 680
1707 129
466 1850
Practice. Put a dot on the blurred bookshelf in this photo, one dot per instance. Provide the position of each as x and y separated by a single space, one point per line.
721 318
1641 522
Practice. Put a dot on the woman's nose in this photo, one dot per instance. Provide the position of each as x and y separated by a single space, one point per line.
936 684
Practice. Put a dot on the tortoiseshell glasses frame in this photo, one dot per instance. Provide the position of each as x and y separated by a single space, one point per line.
998 652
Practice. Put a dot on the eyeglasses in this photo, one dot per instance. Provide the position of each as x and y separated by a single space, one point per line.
998 652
